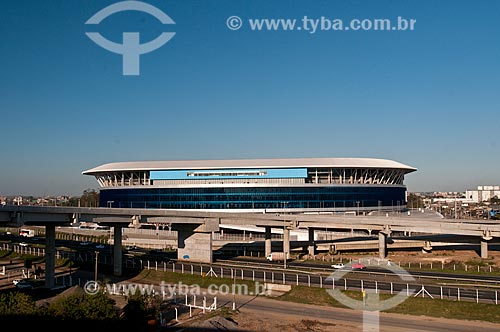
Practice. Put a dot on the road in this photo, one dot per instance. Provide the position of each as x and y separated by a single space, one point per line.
478 277
346 319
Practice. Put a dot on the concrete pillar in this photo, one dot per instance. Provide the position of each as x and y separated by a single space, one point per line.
117 251
484 248
311 248
50 255
192 245
286 242
382 245
268 243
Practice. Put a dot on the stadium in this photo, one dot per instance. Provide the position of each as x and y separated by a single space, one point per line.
297 185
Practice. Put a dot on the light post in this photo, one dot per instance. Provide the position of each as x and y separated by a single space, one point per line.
234 291
110 203
96 260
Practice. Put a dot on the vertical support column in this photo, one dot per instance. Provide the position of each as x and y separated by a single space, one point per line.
50 255
381 245
117 250
267 249
311 249
484 248
286 242
194 245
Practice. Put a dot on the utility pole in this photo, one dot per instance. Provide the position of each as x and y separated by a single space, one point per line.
234 290
96 260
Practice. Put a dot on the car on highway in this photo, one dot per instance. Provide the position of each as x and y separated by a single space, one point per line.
23 244
358 266
338 266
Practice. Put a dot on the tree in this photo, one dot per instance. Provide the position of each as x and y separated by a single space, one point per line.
89 198
17 304
414 201
93 307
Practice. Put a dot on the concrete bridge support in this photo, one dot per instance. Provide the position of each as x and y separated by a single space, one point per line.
192 245
50 255
194 242
484 243
312 246
117 251
484 248
382 241
286 242
268 241
382 245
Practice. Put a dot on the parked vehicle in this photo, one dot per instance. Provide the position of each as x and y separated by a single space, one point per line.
276 257
25 283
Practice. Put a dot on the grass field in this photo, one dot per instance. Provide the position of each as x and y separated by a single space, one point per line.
411 306
318 296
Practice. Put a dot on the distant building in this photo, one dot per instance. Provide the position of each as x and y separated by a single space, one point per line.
483 193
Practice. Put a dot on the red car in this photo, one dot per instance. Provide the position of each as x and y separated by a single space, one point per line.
358 266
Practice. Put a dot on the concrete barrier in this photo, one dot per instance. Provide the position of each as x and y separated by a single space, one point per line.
271 289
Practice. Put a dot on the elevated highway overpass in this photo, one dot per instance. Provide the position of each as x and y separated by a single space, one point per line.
195 228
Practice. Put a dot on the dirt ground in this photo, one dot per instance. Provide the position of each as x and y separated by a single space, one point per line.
447 256
254 322
249 321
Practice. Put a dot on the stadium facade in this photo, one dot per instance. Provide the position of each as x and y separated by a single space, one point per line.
255 185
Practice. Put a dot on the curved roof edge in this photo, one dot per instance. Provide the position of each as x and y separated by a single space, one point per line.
249 163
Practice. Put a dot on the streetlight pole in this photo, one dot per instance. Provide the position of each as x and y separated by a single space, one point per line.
234 291
284 250
96 260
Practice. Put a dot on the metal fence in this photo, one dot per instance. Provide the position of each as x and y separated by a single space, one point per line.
285 276
316 280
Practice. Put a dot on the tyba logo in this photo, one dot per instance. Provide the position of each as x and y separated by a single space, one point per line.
131 48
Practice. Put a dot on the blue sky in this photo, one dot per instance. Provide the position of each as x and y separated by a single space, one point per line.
428 98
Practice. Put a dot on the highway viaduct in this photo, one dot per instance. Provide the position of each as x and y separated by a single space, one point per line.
195 228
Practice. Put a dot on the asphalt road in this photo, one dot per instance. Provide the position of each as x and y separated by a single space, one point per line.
265 307
377 269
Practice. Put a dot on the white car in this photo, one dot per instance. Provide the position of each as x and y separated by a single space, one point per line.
338 266
23 244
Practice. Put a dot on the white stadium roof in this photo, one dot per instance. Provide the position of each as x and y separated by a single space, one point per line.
250 163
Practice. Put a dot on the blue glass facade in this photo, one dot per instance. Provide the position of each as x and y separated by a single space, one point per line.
304 197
